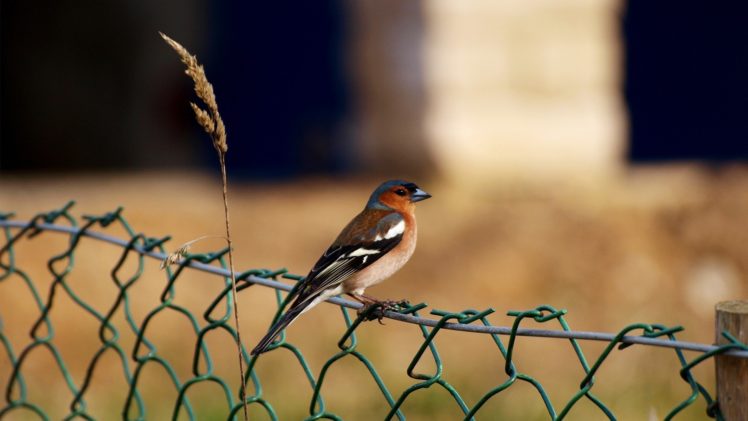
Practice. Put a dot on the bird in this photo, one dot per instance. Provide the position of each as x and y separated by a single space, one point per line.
374 245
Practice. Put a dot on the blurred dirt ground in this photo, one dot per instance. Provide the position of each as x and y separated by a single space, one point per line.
657 245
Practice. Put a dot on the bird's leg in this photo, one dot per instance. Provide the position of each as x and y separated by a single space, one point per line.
363 299
372 308
386 304
377 313
390 304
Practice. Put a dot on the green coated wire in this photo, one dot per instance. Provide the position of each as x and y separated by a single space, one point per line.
145 353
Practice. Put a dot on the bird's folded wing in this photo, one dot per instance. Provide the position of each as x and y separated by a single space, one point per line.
341 261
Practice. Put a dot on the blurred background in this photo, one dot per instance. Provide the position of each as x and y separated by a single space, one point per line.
584 154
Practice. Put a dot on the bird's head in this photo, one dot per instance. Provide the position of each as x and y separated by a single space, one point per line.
396 194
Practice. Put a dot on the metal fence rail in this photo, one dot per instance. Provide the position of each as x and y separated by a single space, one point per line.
145 352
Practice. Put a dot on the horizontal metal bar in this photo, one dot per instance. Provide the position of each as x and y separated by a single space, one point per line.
501 330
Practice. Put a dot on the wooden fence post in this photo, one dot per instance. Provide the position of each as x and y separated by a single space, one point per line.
732 372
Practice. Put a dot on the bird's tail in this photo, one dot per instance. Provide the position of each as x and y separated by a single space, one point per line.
282 323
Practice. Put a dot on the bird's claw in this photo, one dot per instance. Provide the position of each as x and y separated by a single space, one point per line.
376 310
372 311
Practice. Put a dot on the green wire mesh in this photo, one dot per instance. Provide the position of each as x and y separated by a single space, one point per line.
144 353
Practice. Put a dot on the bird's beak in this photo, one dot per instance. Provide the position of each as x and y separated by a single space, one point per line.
419 195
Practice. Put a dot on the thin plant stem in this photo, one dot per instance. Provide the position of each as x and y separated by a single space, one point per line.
212 123
234 295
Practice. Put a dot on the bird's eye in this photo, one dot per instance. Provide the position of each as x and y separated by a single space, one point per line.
401 192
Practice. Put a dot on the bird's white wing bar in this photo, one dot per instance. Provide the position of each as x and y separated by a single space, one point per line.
347 260
394 231
361 252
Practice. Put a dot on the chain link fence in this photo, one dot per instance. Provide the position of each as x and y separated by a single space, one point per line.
144 352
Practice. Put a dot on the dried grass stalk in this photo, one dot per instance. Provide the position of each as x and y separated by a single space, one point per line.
210 119
212 123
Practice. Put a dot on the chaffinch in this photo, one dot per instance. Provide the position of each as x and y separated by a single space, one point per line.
372 247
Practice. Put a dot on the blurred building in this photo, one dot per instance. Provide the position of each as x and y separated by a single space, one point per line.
470 90
523 90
